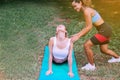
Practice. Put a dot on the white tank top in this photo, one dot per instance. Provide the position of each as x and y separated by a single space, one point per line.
60 53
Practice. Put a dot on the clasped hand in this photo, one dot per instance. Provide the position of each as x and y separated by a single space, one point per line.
74 38
49 72
70 74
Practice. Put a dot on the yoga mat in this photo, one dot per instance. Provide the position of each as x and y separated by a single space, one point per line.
60 72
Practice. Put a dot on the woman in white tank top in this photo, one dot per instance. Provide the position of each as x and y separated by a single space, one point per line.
60 49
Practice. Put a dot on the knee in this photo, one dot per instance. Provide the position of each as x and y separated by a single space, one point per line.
86 46
104 50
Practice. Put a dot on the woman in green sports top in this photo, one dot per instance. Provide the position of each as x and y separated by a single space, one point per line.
102 38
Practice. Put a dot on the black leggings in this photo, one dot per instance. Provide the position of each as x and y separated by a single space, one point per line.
60 61
66 61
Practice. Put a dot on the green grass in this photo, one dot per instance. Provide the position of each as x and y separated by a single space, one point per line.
23 35
26 26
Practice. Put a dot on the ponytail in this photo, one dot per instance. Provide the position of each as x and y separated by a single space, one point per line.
87 3
77 1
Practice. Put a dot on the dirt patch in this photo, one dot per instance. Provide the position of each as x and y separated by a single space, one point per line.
2 75
59 20
38 58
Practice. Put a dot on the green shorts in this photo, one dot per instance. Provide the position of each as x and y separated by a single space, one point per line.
103 35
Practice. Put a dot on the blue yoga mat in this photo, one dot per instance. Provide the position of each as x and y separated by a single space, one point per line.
60 72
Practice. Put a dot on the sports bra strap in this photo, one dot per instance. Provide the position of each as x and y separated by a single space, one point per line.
68 44
54 40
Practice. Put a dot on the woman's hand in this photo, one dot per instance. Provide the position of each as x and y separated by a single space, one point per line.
49 72
74 38
70 74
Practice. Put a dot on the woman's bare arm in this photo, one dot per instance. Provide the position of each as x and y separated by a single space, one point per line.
50 56
87 27
70 59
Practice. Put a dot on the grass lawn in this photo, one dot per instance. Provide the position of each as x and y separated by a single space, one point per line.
26 26
24 32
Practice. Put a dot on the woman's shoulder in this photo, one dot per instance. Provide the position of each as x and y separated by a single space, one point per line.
67 38
89 11
52 38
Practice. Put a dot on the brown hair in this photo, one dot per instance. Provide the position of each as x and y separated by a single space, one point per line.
85 2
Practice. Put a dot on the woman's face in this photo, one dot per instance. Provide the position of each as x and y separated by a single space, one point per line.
60 30
77 6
